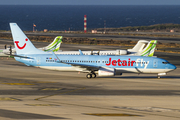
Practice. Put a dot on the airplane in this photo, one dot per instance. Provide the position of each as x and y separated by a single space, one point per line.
54 46
138 50
101 65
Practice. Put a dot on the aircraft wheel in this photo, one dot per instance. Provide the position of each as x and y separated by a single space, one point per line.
89 76
93 75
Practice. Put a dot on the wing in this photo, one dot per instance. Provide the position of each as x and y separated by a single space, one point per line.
83 66
78 65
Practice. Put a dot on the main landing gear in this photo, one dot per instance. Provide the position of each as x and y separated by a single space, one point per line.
91 75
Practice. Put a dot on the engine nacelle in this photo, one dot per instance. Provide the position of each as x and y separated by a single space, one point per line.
105 71
121 52
7 51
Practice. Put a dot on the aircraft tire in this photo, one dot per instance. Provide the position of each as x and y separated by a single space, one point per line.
89 75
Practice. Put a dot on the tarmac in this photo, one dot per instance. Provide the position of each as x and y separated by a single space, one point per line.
37 94
136 36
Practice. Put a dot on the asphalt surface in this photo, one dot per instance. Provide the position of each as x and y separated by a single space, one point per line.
107 36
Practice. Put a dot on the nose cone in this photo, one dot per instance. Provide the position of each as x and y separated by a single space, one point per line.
172 67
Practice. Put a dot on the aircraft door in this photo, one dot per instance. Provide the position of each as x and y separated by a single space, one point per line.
38 61
155 63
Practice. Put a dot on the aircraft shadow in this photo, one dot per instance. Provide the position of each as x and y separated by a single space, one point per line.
142 77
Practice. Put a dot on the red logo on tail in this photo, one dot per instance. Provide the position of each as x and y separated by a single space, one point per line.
22 46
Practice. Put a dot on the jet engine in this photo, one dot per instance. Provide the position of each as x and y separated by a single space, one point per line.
121 52
105 71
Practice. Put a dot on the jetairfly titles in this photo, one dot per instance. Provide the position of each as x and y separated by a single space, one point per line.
120 62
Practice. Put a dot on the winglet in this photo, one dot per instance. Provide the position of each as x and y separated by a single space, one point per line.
56 57
80 52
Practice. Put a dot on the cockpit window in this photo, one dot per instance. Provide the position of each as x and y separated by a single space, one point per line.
165 62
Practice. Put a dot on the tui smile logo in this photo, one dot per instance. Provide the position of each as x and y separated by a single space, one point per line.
22 46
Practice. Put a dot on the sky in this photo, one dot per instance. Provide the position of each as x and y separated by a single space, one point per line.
89 2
